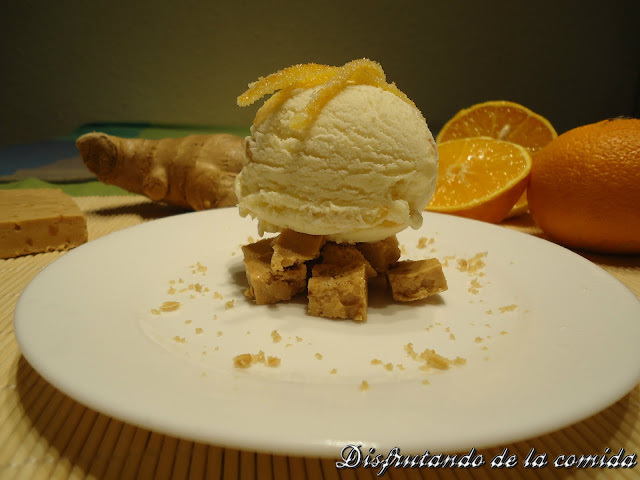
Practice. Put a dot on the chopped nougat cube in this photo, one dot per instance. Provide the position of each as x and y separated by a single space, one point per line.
266 286
416 279
338 291
381 255
39 220
345 254
292 248
258 249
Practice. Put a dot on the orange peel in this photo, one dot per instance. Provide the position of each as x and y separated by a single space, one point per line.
283 83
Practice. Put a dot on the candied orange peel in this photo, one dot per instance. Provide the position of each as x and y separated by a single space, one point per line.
331 80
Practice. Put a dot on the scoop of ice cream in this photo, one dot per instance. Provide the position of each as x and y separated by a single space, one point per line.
361 171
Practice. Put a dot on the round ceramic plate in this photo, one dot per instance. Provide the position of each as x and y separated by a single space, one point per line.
528 338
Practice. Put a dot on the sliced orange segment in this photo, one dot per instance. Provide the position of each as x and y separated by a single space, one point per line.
480 178
502 120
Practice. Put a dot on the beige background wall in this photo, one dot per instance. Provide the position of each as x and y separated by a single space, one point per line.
65 63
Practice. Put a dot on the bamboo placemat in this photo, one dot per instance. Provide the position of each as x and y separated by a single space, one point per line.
45 434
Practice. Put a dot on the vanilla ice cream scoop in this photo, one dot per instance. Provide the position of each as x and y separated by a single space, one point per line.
362 169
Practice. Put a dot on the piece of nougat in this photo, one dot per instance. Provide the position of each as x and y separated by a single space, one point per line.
338 291
266 286
39 220
258 249
381 255
416 279
345 255
293 248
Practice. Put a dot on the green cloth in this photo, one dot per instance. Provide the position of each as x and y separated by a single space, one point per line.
79 189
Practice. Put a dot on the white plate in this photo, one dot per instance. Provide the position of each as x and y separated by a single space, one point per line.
548 337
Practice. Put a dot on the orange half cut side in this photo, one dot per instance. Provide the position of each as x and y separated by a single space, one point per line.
502 120
480 178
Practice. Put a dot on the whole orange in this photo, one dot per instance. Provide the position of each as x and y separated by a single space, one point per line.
584 190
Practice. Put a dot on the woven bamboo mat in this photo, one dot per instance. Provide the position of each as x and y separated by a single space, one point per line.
45 434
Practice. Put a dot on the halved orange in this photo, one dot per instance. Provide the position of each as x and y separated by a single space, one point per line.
502 120
480 178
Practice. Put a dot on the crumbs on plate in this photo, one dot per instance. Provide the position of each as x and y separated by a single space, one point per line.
433 359
166 307
423 242
387 366
245 360
428 359
472 265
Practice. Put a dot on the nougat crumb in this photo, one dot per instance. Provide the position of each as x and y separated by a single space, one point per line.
273 361
424 241
474 286
242 361
168 307
446 258
473 264
245 360
201 268
431 359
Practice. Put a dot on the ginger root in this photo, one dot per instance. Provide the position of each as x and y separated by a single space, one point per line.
197 171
